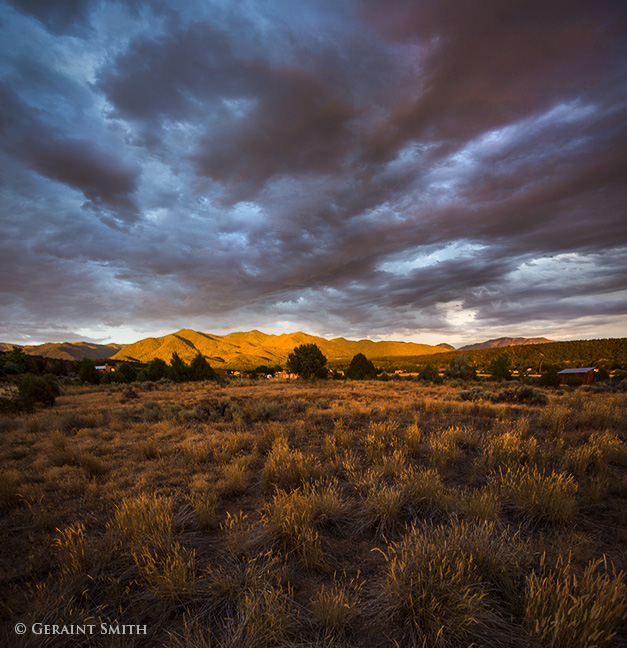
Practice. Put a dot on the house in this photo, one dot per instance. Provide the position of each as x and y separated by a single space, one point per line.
585 373
105 368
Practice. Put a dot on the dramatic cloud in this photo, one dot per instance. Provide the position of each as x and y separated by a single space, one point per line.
438 170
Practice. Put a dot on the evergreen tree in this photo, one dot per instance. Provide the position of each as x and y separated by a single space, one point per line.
178 371
200 369
361 368
499 367
87 372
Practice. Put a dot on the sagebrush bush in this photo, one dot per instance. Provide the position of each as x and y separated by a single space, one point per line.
562 611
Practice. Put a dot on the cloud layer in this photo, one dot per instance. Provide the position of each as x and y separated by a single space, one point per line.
437 171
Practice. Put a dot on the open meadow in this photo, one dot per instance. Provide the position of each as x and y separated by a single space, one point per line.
315 513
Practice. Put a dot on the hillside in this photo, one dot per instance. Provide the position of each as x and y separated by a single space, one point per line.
250 349
67 350
497 343
574 353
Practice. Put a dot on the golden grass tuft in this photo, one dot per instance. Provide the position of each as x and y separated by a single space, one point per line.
562 611
72 549
167 571
545 497
335 607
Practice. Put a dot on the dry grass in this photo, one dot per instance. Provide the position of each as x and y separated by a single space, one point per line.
562 611
261 514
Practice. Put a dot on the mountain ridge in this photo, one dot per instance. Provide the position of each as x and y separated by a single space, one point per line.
504 342
248 349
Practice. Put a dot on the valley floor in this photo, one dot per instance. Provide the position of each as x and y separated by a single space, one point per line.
337 514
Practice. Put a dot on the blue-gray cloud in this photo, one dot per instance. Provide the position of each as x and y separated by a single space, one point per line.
356 167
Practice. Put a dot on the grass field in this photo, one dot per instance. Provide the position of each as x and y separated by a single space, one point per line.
314 514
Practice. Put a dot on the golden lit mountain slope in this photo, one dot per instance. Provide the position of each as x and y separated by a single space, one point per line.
255 348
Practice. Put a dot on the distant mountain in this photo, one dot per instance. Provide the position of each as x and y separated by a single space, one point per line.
255 348
67 350
504 342
444 345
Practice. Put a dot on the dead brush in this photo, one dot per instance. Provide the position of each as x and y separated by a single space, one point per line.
555 418
479 505
198 452
545 497
413 439
60 453
343 435
9 481
236 477
562 611
382 503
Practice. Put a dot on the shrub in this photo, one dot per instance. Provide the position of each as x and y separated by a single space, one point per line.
564 612
38 389
523 394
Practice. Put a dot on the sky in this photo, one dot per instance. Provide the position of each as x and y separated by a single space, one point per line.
433 171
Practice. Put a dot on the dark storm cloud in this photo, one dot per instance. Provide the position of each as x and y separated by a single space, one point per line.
358 167
58 17
102 177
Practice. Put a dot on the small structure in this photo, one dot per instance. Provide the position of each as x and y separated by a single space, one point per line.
585 373
105 368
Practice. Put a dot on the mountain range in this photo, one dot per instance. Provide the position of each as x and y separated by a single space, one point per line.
255 348
67 350
247 349
504 342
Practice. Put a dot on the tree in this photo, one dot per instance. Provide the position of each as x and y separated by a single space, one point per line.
499 367
429 374
156 370
87 372
18 358
200 369
306 360
361 368
460 367
178 371
125 372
